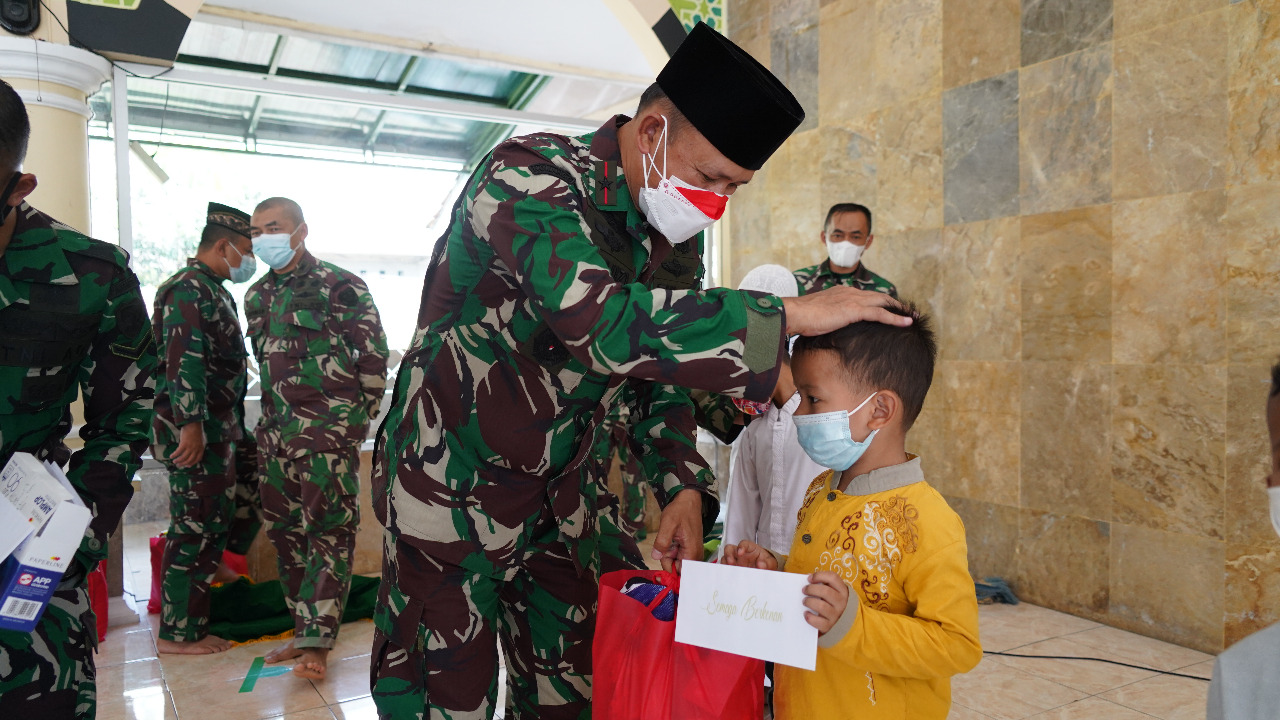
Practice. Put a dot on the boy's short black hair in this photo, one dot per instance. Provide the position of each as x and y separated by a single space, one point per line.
15 129
1275 381
886 357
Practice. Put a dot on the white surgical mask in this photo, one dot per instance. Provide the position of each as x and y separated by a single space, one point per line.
677 209
844 253
1274 493
275 249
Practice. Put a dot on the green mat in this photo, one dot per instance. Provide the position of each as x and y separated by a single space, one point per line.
245 610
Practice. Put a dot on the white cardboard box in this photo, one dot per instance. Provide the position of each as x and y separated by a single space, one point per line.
31 572
34 499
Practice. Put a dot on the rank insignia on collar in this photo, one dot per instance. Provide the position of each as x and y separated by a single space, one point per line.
609 179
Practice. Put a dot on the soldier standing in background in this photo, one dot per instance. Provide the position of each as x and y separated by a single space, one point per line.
72 321
199 433
846 235
322 357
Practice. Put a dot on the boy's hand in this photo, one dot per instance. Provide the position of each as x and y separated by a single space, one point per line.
749 554
826 597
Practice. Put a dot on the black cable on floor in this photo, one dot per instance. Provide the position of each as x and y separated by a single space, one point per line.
1113 662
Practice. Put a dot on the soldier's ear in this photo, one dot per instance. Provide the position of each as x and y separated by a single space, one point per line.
26 185
302 232
648 131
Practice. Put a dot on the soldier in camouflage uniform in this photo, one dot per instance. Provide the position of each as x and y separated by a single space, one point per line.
72 321
198 430
322 356
846 235
551 298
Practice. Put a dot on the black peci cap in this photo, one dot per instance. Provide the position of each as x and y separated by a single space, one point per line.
228 217
734 101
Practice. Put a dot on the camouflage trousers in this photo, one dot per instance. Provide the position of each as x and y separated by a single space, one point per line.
212 506
49 673
633 483
438 628
311 506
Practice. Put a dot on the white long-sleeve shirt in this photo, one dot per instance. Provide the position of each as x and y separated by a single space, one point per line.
768 478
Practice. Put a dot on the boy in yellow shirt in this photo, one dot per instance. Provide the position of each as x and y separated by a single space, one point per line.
890 591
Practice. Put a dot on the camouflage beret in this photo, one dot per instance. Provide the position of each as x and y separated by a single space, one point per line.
229 218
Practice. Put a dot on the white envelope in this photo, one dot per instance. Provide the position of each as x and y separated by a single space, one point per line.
746 611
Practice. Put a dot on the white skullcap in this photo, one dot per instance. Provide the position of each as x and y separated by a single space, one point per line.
772 279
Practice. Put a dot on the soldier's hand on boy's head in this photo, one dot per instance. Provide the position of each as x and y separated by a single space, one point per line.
831 309
826 596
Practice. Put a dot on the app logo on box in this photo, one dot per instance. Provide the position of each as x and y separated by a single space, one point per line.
25 579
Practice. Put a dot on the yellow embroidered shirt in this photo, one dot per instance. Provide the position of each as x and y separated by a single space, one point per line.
912 618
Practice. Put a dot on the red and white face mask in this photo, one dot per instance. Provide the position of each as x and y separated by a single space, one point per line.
677 209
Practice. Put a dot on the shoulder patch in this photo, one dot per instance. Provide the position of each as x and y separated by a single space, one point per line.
554 171
348 296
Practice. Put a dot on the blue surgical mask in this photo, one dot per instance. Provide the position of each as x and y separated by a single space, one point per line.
245 270
276 249
827 440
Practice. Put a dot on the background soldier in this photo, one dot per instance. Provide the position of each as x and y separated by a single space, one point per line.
71 321
846 235
567 282
322 356
199 429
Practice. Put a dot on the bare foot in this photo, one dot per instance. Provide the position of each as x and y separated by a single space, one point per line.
312 663
204 646
224 574
288 652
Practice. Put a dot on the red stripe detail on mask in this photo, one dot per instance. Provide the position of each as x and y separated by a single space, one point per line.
708 202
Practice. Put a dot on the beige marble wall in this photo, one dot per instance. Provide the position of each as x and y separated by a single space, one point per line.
1085 195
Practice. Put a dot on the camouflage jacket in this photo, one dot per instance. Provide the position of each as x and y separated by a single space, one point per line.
72 321
322 357
548 300
820 277
201 375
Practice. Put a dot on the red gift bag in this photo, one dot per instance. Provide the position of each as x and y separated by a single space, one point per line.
98 597
238 563
641 673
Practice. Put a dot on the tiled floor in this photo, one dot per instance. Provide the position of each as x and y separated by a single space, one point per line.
134 683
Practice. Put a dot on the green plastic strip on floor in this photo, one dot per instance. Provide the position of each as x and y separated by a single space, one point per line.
244 610
256 671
